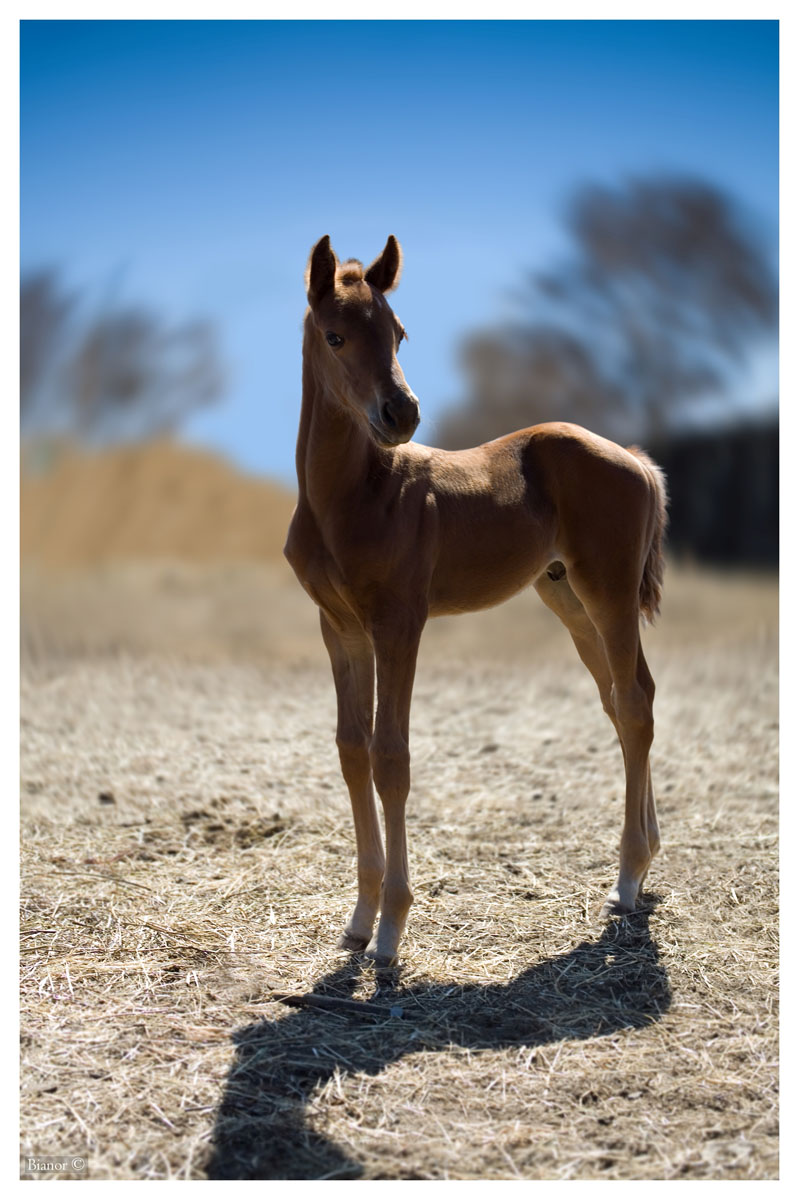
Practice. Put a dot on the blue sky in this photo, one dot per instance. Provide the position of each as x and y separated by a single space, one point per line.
190 165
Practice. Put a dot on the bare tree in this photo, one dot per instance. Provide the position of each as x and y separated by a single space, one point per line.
132 377
664 293
125 375
525 375
44 311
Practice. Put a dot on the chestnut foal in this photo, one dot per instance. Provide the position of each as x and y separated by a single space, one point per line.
387 533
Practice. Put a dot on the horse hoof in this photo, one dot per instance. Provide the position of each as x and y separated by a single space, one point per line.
351 941
613 907
382 962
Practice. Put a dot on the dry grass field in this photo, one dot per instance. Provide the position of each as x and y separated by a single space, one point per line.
188 861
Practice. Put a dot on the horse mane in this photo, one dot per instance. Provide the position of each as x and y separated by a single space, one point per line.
351 271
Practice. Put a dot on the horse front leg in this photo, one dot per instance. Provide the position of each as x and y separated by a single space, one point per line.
396 646
352 660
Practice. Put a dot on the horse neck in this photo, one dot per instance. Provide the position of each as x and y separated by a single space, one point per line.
333 452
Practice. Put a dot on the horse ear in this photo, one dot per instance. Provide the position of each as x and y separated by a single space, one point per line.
384 272
321 271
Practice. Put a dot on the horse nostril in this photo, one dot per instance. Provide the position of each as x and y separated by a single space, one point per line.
388 415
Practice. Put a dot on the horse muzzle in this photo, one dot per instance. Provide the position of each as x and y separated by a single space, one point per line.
395 420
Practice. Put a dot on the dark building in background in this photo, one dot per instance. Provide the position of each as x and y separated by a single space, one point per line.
724 495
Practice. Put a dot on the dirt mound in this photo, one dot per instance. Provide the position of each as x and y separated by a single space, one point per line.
156 500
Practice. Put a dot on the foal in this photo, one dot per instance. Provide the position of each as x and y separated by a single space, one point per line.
387 533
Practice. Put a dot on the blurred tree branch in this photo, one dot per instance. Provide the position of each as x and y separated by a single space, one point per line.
662 296
43 318
125 375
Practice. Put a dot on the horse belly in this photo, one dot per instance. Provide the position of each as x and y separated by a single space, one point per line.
482 568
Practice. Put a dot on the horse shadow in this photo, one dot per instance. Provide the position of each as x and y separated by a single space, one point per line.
600 987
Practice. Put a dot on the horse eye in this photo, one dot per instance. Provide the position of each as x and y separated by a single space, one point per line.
334 340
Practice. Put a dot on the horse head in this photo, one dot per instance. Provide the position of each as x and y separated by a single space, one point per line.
358 339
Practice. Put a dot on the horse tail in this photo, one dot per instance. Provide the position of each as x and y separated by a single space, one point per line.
655 563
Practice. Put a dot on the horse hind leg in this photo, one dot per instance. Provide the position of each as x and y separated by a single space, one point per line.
653 830
633 693
590 647
614 612
640 839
